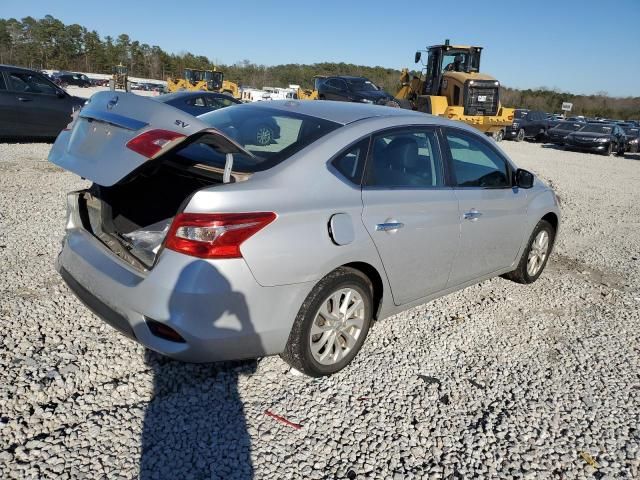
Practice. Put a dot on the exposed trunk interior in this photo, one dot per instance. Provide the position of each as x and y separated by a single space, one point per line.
132 217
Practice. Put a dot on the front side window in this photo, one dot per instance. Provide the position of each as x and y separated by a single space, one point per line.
475 163
30 83
2 84
407 158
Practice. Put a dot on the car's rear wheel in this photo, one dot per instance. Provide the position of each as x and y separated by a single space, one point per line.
520 135
535 256
332 323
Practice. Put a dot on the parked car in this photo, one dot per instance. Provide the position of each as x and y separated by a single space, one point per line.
31 106
599 138
557 133
204 247
262 131
632 134
75 79
527 124
353 89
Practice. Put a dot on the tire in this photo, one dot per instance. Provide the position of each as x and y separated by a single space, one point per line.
499 135
609 150
520 136
264 135
522 274
305 346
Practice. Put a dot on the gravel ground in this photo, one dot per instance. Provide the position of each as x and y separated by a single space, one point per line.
499 380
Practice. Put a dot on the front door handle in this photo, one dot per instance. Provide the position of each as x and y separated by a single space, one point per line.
472 215
389 227
24 99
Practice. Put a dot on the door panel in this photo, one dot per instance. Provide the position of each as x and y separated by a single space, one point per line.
489 239
492 211
417 257
411 216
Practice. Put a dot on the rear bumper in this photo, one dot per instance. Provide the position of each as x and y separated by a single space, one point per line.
217 307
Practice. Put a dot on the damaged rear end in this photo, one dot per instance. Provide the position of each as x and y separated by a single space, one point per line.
153 245
143 171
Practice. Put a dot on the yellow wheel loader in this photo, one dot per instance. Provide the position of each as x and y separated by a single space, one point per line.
451 85
308 94
120 78
205 80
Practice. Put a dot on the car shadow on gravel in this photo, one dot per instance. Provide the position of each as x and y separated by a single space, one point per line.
194 426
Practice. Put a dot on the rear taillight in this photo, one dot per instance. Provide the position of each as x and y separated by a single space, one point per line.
151 142
214 235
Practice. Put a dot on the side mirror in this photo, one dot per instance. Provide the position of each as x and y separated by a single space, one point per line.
417 57
524 178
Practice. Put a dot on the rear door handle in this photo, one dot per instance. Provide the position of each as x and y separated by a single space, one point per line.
24 99
389 227
472 215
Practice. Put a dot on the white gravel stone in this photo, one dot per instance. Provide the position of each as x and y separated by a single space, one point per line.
520 379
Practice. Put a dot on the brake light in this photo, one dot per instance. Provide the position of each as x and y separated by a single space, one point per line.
214 235
151 142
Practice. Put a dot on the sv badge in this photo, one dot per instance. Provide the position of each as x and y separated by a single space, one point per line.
182 124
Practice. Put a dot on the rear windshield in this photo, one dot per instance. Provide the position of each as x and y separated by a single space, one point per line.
270 135
597 129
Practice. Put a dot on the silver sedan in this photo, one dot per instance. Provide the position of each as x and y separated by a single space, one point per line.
203 244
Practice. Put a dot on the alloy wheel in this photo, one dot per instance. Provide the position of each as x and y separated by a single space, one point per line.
337 326
538 253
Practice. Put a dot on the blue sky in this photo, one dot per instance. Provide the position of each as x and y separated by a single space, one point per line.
583 46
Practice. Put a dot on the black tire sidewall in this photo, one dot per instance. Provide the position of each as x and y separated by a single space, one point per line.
519 137
341 278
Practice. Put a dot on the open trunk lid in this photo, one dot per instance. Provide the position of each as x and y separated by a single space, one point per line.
96 146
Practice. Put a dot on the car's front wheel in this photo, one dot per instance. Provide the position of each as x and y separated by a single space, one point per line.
520 136
332 323
535 256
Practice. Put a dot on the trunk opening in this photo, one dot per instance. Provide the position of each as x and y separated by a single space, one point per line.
133 216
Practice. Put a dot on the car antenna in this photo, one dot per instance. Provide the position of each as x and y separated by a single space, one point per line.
228 166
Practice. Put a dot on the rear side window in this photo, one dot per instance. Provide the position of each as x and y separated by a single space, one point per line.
405 158
351 163
475 163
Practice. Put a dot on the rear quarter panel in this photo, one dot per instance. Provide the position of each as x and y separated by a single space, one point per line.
304 193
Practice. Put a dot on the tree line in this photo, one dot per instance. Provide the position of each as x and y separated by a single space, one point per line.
48 43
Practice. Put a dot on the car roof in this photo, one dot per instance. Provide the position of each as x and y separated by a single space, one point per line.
339 112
